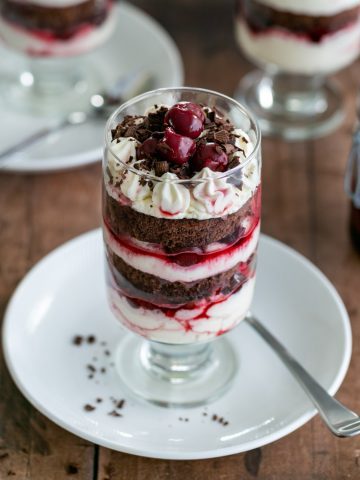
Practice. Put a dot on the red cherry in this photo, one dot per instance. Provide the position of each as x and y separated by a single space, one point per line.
196 110
186 259
186 119
148 148
181 148
210 155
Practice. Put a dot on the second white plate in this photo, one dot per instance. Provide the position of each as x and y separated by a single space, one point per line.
138 42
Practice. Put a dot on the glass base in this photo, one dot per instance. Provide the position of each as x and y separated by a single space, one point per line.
51 86
292 107
176 375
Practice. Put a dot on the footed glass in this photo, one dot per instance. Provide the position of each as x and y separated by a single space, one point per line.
297 46
48 41
178 281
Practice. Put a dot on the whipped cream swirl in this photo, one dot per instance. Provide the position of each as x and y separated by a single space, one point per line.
169 197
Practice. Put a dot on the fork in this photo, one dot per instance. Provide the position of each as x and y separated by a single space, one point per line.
341 421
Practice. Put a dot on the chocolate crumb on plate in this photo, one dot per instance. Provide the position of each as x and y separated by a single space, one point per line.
114 413
91 368
91 339
103 370
77 340
89 408
120 404
99 400
107 353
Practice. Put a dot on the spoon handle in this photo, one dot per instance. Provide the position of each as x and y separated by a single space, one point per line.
30 140
334 414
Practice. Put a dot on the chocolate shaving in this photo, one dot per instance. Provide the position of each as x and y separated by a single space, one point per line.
222 136
161 167
234 163
155 120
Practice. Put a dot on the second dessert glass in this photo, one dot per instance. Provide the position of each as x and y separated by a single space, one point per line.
297 44
180 252
50 36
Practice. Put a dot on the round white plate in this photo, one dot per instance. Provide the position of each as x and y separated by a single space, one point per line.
138 42
64 296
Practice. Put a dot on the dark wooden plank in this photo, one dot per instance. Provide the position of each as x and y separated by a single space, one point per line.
337 258
38 214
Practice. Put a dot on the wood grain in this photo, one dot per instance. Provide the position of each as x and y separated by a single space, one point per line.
303 205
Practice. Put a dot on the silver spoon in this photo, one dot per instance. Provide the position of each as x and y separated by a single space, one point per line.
341 421
101 106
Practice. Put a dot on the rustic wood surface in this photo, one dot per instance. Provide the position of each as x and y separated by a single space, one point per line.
303 205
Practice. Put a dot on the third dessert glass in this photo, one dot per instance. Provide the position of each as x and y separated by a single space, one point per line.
296 43
181 221
51 34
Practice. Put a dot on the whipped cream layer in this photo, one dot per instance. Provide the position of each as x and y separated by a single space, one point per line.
186 325
163 267
312 7
210 197
296 54
33 43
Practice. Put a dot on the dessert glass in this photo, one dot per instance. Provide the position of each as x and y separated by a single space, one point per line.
296 44
49 36
179 283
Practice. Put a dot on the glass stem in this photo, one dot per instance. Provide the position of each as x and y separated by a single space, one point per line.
292 94
176 363
51 77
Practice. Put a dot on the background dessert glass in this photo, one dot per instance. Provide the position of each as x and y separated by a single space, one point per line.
180 280
50 35
296 43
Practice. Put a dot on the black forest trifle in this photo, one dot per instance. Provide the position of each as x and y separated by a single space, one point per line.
300 36
48 28
181 215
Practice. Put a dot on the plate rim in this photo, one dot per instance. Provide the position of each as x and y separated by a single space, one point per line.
171 455
72 162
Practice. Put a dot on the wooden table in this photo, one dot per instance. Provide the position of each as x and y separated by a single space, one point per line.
303 205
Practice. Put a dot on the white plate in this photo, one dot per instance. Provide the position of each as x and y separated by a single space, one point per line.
138 41
64 295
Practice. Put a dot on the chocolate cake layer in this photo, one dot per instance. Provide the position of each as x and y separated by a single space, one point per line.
172 235
61 21
157 290
261 17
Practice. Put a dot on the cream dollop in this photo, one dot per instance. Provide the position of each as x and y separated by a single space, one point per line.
125 149
169 197
213 195
133 189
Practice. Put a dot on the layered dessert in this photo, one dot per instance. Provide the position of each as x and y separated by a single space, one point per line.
181 214
55 27
300 36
